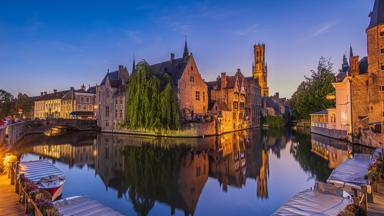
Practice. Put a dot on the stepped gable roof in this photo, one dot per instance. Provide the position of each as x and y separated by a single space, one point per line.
377 14
174 68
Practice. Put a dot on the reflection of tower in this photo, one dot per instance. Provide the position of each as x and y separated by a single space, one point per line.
262 179
260 70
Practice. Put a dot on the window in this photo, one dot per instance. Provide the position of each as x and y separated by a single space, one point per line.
121 113
235 105
198 171
382 88
116 101
382 33
191 68
242 106
107 111
87 100
382 67
234 115
115 113
192 79
197 95
382 51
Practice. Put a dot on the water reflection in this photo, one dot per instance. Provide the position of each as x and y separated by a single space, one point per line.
174 172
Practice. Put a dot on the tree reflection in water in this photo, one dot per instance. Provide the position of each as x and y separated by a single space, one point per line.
174 172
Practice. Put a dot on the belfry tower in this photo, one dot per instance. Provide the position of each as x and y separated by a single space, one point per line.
259 69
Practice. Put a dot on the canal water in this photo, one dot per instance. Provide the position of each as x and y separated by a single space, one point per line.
244 173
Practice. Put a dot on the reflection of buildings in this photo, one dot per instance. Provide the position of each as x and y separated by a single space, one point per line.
334 151
228 162
73 149
147 170
141 166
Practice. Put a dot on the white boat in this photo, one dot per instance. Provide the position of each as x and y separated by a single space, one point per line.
44 175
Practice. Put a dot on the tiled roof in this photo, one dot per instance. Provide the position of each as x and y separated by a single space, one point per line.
322 112
52 96
363 65
175 68
377 14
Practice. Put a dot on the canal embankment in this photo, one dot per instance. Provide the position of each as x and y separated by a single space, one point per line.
9 199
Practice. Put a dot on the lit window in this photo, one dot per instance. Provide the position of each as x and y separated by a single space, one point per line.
197 95
235 105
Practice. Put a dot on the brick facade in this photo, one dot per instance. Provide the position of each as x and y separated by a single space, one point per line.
192 90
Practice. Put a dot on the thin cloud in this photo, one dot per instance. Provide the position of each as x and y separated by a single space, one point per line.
323 28
247 30
134 36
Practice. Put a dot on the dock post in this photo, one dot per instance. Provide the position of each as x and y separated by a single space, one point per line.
364 202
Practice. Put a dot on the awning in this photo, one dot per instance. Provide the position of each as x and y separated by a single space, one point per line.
311 202
352 172
81 206
35 170
82 113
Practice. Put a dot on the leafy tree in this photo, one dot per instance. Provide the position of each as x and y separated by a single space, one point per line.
152 101
6 104
23 102
311 94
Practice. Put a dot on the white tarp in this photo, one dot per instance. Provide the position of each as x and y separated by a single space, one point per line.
310 202
352 172
35 170
83 206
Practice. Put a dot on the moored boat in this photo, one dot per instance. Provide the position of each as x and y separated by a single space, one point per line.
44 175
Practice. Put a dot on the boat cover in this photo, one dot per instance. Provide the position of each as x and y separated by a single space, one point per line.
352 172
36 170
80 205
311 202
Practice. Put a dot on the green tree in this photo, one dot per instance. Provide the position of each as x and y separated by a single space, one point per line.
152 101
23 102
6 104
311 94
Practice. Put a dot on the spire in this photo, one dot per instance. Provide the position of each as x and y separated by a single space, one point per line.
377 14
133 64
186 52
350 51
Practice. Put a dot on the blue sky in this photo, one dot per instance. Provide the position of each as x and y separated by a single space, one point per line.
55 44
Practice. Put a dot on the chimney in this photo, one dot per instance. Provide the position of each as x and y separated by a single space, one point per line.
121 67
41 93
223 80
172 57
72 88
277 95
55 91
354 61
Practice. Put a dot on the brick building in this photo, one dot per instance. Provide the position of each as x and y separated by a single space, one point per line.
110 99
236 99
359 111
260 69
65 104
191 88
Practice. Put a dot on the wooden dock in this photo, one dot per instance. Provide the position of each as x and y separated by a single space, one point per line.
9 200
377 208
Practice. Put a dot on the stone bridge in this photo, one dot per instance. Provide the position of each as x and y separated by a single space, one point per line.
11 134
